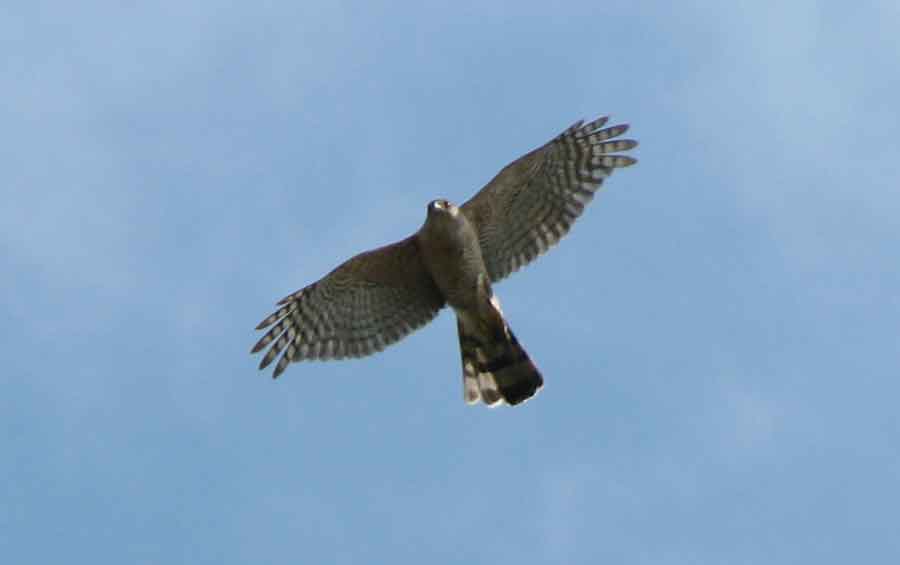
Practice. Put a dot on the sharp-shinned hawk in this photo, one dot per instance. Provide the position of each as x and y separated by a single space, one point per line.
378 297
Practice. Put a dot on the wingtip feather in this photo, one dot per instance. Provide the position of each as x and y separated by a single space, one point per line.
616 130
280 367
267 359
268 321
595 124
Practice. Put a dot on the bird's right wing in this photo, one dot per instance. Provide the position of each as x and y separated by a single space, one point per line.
367 303
533 202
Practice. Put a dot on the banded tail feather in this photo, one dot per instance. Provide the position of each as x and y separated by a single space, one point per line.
497 371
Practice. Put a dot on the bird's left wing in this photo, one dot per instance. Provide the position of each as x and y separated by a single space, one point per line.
367 303
533 202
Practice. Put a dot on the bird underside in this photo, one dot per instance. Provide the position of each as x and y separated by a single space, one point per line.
380 296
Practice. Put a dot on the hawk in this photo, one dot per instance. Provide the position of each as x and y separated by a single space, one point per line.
378 297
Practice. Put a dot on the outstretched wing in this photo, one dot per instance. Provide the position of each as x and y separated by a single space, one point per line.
369 302
533 202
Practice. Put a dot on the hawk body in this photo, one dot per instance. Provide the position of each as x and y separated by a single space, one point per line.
454 255
495 367
378 297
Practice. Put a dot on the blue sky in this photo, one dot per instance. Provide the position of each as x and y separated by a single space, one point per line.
718 334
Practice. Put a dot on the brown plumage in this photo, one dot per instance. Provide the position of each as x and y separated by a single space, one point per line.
378 297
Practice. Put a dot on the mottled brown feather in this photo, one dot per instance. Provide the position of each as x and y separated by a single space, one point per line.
367 303
534 201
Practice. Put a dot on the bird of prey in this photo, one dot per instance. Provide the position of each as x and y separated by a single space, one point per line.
378 297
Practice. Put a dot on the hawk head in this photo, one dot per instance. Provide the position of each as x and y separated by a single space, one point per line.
441 206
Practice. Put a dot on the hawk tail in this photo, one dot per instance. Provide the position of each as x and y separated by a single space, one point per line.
497 371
